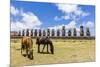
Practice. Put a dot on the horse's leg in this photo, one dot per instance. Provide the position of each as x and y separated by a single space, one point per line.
38 48
43 47
27 49
47 49
52 48
31 54
22 48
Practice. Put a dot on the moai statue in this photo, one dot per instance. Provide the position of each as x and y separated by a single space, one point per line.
63 31
27 32
69 32
35 32
23 32
48 32
75 32
81 31
53 32
40 32
44 33
58 32
31 32
19 33
87 32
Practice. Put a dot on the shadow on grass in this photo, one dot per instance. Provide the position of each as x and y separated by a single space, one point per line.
44 52
24 55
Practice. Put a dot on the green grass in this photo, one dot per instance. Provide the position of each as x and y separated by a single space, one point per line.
66 51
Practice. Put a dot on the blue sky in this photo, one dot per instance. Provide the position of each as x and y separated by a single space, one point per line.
51 15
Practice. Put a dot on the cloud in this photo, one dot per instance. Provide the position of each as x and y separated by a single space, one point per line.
29 20
66 8
60 18
17 26
65 17
57 18
71 25
71 11
14 11
74 13
90 24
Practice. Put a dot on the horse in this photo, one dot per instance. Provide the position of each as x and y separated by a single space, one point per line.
45 41
27 45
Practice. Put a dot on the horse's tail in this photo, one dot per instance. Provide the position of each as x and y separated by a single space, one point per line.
52 48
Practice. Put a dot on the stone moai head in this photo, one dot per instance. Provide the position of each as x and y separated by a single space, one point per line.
35 32
44 33
74 32
31 32
19 33
69 33
27 32
63 31
53 32
81 31
48 32
40 32
87 31
58 32
23 32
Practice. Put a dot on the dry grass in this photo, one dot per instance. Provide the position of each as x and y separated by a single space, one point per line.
66 51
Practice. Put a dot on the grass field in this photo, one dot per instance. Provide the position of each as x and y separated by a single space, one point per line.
66 51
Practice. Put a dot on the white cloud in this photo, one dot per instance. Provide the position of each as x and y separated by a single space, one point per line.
71 25
90 24
80 12
29 20
66 17
66 8
13 26
17 26
57 18
71 11
62 17
74 13
14 11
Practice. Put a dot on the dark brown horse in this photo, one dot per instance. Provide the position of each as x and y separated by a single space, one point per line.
45 41
27 45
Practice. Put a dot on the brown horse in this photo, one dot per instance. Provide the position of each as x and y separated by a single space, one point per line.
45 41
27 45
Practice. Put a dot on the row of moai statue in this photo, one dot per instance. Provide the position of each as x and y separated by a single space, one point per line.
48 32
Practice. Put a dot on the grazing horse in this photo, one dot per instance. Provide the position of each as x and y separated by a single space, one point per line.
45 41
27 45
